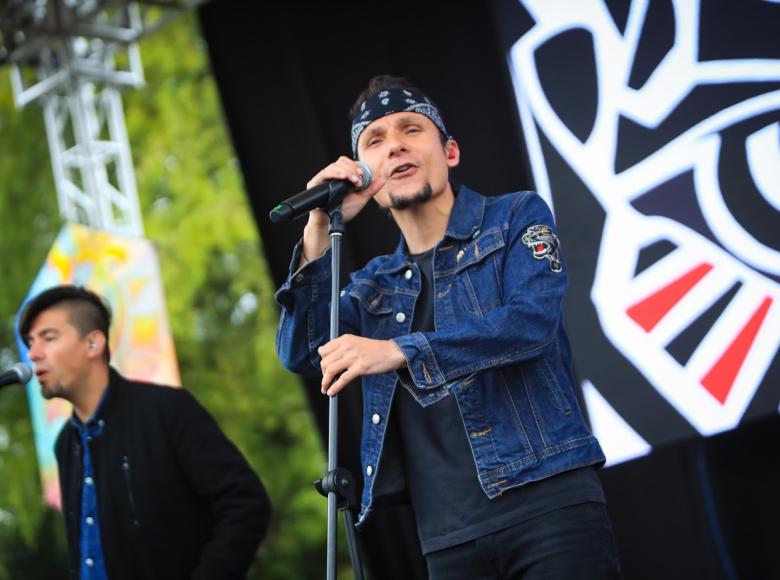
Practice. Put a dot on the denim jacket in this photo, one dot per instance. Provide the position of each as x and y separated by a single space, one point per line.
499 345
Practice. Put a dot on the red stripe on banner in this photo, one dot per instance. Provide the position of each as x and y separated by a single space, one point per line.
720 378
652 309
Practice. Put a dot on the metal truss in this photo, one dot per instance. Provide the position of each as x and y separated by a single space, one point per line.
73 57
90 154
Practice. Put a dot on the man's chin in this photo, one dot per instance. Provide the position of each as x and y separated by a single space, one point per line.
50 392
404 200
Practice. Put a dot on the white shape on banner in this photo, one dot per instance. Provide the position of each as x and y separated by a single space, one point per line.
763 155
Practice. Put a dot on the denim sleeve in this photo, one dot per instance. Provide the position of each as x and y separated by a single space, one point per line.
304 323
523 327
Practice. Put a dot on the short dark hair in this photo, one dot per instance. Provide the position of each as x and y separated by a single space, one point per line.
87 311
384 82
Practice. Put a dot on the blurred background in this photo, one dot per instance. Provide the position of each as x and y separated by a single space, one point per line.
652 128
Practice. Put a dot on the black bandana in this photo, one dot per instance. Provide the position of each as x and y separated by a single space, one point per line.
393 101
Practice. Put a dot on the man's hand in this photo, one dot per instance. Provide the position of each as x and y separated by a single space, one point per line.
315 235
348 357
347 169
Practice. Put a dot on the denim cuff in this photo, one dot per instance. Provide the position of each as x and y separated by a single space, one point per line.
313 272
420 360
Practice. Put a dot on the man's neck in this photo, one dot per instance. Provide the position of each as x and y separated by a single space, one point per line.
423 225
86 402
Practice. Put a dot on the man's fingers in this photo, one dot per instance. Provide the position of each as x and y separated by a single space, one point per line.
338 369
329 374
344 168
344 379
353 356
330 357
334 381
331 345
332 367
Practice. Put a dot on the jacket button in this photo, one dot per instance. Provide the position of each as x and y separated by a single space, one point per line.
400 317
408 274
342 293
375 418
299 278
369 471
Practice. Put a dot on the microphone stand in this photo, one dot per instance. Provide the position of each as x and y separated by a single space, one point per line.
337 484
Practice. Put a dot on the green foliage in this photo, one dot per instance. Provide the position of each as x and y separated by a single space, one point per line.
219 297
28 205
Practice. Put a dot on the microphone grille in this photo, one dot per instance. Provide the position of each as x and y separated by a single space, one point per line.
23 371
367 175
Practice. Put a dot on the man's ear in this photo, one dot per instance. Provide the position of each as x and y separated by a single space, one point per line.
452 152
96 343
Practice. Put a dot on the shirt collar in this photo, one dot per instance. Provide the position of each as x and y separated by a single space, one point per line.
94 425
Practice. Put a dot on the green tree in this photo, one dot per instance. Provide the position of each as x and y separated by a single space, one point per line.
27 526
219 297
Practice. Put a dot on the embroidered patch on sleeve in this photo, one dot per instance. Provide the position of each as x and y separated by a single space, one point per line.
543 244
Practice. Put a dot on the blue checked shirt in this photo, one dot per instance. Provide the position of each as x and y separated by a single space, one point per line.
92 566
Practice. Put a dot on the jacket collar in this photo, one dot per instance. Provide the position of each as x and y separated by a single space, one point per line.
467 214
111 401
92 427
465 219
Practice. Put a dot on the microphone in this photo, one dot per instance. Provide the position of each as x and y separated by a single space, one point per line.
19 373
325 195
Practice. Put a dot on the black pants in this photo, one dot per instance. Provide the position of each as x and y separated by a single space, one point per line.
575 542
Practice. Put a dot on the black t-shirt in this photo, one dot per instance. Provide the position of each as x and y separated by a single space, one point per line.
449 504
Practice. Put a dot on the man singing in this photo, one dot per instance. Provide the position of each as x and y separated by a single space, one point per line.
458 337
151 488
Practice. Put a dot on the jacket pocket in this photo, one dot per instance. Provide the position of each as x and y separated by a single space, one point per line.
372 299
477 277
478 249
129 487
376 306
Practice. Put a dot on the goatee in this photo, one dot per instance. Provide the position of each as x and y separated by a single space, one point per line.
418 198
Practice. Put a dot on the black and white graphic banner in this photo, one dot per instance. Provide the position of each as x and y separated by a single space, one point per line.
653 129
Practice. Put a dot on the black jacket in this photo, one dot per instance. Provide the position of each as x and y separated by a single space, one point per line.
176 498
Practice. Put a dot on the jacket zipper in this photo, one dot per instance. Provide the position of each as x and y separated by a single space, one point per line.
126 471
